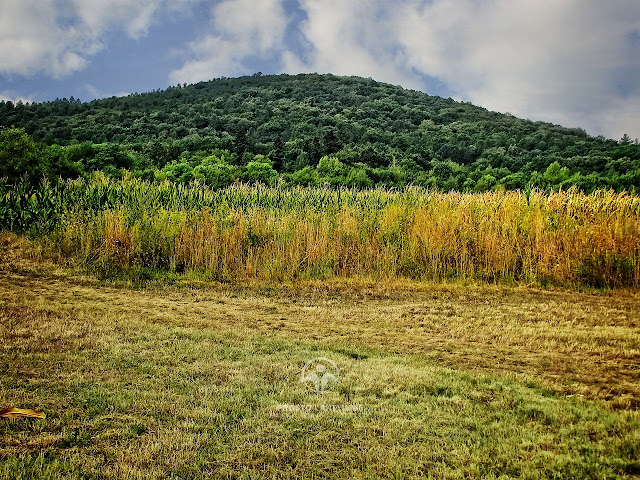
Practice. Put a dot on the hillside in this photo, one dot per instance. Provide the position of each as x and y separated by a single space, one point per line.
310 129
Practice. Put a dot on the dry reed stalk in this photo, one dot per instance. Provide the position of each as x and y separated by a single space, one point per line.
271 233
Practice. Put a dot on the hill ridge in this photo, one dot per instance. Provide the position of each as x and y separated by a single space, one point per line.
367 132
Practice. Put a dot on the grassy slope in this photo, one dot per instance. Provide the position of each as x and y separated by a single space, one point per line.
181 382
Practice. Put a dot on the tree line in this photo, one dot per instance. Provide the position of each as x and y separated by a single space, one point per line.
306 130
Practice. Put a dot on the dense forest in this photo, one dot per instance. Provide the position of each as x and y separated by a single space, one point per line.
309 130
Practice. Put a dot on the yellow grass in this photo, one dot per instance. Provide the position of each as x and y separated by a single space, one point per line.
566 238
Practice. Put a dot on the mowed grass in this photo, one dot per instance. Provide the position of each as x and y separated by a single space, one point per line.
184 381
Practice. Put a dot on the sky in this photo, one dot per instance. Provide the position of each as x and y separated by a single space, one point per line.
571 62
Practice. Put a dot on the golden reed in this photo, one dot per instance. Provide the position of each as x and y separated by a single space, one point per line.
283 234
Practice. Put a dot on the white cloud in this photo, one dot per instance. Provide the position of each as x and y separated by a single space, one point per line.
561 61
59 37
240 29
30 39
15 97
351 38
134 16
95 92
556 60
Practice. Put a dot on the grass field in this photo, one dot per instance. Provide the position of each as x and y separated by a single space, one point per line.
187 380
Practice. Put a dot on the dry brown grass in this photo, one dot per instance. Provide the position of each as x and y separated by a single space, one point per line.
585 343
273 234
576 343
138 382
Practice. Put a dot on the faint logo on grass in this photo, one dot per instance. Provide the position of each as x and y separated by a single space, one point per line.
320 374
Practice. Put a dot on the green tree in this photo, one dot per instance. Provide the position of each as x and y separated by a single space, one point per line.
625 140
555 175
260 171
214 172
308 176
177 172
486 182
60 163
359 178
332 170
109 154
20 156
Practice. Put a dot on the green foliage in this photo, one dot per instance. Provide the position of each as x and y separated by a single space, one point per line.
486 182
261 171
20 156
108 154
308 176
332 170
359 178
555 175
62 163
178 172
347 130
214 172
30 208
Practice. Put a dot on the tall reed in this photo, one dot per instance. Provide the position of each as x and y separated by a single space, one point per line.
246 232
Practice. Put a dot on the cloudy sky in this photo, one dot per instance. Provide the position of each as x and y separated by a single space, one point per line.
572 62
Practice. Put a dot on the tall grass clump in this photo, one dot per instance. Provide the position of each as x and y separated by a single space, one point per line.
276 233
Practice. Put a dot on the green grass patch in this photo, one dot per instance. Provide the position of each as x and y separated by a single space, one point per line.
218 398
449 382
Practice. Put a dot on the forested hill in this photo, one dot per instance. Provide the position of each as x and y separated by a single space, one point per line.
308 129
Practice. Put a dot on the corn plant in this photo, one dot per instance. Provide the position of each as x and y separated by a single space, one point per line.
277 233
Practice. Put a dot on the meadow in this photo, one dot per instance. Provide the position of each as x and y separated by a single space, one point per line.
436 380
163 330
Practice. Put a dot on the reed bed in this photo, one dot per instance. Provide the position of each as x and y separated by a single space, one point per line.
281 234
